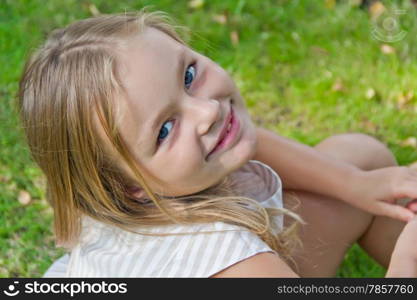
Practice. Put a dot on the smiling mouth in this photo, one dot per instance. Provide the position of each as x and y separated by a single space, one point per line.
224 131
228 133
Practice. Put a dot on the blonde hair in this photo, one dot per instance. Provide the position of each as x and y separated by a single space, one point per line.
71 79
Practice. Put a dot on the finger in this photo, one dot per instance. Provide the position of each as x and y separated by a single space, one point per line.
395 211
407 189
412 205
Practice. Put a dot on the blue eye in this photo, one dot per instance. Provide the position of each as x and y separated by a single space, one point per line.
189 76
165 130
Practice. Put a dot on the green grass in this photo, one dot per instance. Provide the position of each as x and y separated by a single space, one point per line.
289 56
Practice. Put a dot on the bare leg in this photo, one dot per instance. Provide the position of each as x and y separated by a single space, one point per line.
333 226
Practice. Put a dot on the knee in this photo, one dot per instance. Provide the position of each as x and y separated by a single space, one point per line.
363 150
354 139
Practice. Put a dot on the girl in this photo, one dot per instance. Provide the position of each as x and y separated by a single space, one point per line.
154 168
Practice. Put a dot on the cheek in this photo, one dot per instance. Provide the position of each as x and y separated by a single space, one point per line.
182 177
181 165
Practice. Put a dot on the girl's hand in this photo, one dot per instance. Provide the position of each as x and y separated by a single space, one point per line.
377 191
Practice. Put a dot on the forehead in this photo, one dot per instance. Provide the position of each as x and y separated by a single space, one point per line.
143 58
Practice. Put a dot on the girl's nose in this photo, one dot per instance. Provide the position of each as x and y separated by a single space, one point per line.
207 112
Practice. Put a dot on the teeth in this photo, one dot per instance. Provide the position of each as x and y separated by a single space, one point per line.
228 127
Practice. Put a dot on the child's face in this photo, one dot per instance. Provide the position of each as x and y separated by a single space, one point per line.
190 98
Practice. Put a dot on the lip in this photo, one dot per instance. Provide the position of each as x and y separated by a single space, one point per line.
225 138
224 128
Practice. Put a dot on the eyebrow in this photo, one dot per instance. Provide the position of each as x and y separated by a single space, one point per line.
180 77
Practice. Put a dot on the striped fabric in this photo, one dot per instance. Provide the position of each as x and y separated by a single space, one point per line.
108 251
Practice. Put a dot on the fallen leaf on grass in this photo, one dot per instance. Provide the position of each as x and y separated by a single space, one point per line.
93 9
221 19
370 93
404 99
376 9
330 4
387 49
409 142
234 37
196 4
24 197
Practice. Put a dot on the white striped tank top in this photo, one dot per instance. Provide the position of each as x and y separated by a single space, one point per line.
108 251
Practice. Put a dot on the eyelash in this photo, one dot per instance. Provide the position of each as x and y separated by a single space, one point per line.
186 87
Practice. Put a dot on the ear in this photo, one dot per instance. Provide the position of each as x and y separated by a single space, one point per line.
136 192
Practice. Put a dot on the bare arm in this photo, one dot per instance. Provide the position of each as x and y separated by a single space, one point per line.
302 167
265 264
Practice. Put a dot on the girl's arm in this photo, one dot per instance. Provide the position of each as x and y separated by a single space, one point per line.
302 167
265 264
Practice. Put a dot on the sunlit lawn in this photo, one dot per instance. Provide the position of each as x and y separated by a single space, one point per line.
307 69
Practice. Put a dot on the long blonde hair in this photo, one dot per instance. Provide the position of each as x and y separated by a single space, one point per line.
72 78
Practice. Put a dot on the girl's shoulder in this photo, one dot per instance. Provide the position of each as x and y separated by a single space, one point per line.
191 250
177 250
